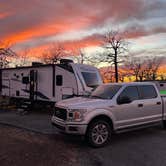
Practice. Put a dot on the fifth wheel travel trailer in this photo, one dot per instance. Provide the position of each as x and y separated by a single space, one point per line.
49 83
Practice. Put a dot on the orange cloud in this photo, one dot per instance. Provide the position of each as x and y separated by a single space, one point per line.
44 19
47 30
3 15
73 47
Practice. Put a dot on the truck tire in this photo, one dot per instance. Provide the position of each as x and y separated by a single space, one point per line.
99 133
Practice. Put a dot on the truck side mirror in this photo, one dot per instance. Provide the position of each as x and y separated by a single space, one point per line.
124 100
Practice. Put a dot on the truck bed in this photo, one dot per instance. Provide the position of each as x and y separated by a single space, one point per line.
163 97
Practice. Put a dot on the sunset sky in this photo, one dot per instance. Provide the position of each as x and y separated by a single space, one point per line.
35 24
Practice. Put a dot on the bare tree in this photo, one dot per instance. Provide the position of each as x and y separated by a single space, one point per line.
78 55
53 54
152 66
82 55
144 68
162 77
5 54
135 66
124 73
108 74
23 58
116 47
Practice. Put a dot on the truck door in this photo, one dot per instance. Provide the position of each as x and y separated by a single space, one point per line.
128 113
151 108
33 84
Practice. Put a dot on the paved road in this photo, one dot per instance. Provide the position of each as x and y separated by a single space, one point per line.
18 147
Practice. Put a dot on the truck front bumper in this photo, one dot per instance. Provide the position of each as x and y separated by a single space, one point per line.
78 129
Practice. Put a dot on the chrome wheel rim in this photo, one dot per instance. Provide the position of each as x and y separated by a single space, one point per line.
100 134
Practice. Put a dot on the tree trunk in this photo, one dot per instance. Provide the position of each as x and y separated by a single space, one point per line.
116 66
82 58
153 76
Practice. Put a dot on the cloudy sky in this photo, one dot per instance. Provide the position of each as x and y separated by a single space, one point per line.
35 24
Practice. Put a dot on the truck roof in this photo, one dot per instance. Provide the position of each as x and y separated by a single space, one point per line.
131 83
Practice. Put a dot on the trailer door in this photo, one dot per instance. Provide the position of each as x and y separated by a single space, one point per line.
59 84
33 84
65 83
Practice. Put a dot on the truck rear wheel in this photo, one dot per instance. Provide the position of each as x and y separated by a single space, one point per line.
99 133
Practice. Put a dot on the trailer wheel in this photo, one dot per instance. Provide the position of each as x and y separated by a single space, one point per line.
98 133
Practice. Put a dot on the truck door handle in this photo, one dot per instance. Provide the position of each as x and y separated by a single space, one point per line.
158 103
140 105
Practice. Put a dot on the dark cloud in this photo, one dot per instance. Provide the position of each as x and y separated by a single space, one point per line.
137 31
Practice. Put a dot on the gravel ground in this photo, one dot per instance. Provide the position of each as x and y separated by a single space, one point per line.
19 147
35 121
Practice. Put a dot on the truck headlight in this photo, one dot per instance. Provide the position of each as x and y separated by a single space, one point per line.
76 115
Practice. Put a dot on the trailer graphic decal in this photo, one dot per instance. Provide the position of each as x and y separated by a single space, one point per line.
15 79
5 87
37 93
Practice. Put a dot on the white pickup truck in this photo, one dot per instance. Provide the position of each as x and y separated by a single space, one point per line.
111 108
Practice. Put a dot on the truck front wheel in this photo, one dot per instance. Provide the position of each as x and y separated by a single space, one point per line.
99 133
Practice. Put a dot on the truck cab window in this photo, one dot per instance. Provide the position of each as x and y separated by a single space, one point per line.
59 80
147 91
130 92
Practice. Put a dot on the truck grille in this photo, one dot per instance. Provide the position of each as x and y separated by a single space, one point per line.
61 113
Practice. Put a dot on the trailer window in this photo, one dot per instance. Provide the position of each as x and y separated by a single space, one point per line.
91 79
25 80
59 80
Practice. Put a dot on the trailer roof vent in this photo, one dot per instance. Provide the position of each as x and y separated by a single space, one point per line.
66 61
37 63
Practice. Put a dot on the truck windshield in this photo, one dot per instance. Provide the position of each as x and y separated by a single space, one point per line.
105 91
91 79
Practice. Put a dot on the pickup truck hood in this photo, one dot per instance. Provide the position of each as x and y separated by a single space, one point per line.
82 103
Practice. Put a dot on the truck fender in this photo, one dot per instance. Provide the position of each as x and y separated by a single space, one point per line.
100 112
